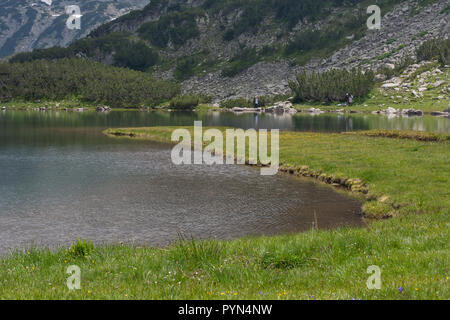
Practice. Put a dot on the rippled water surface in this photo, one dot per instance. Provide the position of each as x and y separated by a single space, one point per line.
61 179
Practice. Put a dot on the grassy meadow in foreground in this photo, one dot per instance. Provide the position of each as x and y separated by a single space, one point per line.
407 179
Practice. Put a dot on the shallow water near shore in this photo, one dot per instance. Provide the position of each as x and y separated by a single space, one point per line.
62 179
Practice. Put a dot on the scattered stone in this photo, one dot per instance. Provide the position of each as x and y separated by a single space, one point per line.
415 94
439 113
411 112
314 110
438 83
391 110
282 107
389 85
380 77
237 109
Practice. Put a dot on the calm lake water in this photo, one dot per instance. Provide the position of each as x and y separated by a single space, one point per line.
61 178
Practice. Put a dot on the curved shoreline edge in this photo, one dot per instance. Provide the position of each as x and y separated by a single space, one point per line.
376 204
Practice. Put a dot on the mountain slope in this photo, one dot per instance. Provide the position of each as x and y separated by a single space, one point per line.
232 48
28 24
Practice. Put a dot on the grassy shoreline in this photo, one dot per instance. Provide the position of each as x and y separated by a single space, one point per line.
375 102
354 160
407 179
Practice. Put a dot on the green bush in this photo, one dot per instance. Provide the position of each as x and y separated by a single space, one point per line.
435 49
176 27
332 85
204 98
136 56
240 62
185 68
399 68
236 103
81 248
446 10
186 102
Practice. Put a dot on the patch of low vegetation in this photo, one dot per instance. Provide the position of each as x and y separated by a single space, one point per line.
332 85
398 69
240 62
403 134
83 80
391 53
420 35
446 10
186 102
176 27
420 5
435 49
236 103
81 249
322 43
194 65
127 53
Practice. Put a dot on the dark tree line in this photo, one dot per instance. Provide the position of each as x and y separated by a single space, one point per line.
83 80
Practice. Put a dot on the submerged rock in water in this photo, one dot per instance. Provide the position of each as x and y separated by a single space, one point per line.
237 109
282 107
314 110
391 110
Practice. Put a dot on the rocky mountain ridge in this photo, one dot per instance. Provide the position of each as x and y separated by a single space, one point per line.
29 24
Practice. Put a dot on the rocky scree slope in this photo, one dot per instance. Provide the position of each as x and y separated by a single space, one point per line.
30 24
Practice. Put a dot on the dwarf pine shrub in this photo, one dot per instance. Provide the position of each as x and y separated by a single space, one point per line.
186 102
435 49
331 85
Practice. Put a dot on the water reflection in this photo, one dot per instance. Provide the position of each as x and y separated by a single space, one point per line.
61 178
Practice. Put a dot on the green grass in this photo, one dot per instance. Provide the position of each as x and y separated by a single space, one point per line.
381 101
412 253
57 105
407 179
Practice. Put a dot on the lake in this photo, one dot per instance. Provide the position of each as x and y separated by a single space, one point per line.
62 179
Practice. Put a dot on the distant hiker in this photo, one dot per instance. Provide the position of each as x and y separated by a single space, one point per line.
347 99
350 99
256 102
